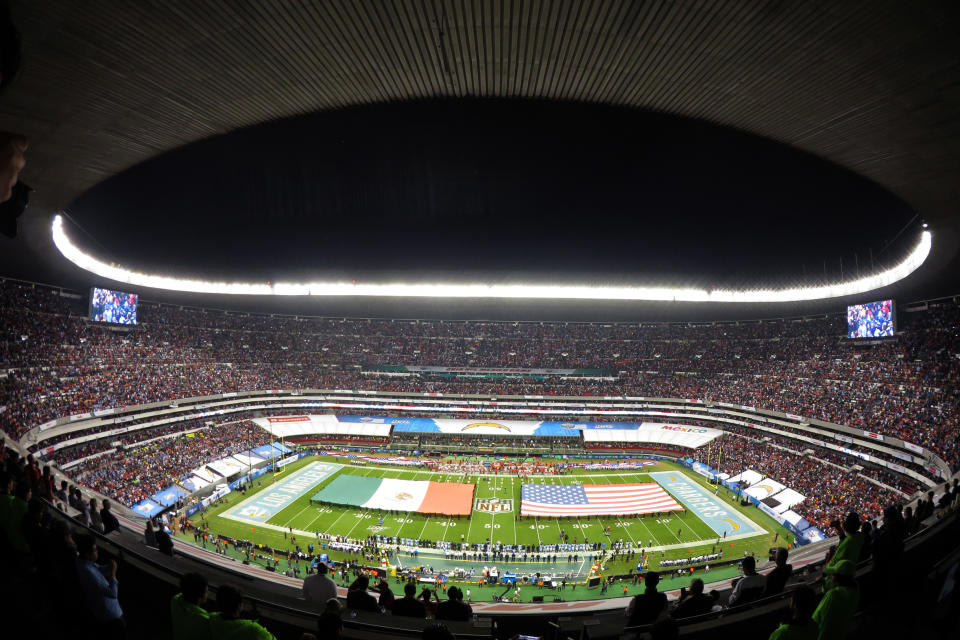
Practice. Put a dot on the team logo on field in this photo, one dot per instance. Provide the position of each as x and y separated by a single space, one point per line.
735 525
403 495
477 425
493 505
253 512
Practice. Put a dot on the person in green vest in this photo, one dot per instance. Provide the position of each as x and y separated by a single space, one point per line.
851 540
801 625
228 625
190 620
839 602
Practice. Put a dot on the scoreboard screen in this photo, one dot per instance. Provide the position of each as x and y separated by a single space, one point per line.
113 307
870 320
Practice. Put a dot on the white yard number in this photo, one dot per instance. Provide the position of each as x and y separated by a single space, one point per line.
362 515
491 526
534 527
404 520
447 524
663 521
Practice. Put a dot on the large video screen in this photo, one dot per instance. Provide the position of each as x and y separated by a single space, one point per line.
870 320
113 307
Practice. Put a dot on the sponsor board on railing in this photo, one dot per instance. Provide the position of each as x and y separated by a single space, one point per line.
914 448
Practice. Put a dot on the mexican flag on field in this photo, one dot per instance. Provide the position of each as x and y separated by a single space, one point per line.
422 496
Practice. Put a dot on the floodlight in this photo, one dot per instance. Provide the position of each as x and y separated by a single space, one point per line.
479 290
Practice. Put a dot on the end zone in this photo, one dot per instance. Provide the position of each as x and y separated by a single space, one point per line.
265 504
715 514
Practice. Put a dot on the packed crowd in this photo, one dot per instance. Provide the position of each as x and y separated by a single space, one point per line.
58 364
138 472
828 491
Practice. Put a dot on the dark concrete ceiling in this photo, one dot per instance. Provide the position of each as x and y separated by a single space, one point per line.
872 86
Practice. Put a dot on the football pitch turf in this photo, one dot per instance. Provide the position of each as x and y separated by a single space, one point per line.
665 536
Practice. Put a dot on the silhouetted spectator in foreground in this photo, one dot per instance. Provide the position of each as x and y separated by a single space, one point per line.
149 534
386 599
777 579
840 601
695 603
409 606
644 608
750 586
454 608
98 582
96 523
190 621
319 588
359 599
851 540
228 625
164 542
110 522
801 625
330 622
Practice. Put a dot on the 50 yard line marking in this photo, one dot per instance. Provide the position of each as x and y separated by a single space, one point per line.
470 517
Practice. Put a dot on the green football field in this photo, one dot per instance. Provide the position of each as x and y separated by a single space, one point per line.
669 536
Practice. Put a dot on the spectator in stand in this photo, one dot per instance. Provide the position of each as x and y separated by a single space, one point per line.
386 599
96 521
330 622
431 605
851 540
749 587
13 146
801 625
318 588
777 578
13 510
644 608
359 599
839 603
164 541
149 534
190 621
887 557
409 606
454 608
61 493
694 603
228 625
110 522
98 583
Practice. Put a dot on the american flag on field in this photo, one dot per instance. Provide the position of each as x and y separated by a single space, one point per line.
595 499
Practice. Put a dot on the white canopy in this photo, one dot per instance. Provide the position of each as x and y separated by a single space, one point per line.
764 489
747 477
321 425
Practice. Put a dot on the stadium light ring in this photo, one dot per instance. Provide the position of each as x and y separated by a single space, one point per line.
477 290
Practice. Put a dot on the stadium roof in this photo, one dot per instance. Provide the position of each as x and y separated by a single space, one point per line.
871 87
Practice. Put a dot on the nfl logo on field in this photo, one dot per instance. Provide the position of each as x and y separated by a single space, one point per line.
493 505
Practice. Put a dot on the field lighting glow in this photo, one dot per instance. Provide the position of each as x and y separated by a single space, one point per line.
543 292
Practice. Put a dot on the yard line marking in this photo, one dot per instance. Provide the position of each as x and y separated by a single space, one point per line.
359 520
427 520
342 513
293 519
310 524
469 524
